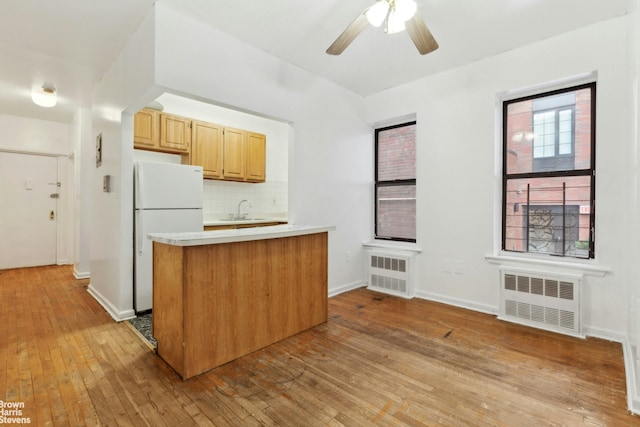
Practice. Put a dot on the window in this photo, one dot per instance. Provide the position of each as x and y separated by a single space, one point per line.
549 173
395 182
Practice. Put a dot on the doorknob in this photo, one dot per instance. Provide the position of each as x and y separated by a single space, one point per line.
52 215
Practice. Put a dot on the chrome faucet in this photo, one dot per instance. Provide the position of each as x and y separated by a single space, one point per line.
238 216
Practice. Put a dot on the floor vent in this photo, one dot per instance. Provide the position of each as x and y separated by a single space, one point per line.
546 301
390 273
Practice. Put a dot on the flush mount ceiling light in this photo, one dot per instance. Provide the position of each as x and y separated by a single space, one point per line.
397 15
44 96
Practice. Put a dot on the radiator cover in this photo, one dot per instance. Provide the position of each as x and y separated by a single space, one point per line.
390 272
543 300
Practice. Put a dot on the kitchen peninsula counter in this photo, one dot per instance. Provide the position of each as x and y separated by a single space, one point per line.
219 295
197 238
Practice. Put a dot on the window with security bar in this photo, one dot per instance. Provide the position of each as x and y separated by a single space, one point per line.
395 182
549 173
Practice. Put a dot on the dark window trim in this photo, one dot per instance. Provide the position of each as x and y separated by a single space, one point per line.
387 183
576 172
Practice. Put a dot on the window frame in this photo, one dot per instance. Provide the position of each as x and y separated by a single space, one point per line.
590 171
389 183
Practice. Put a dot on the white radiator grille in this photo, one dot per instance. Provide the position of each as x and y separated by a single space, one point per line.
547 301
390 273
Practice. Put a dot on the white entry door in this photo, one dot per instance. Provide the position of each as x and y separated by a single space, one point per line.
28 212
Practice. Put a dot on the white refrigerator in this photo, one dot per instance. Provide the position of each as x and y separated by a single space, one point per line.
168 199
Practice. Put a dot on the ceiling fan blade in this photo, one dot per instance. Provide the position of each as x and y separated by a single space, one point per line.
420 34
348 35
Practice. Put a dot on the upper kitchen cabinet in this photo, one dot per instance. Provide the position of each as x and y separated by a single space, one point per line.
244 155
157 131
145 129
175 133
256 157
235 148
224 153
207 148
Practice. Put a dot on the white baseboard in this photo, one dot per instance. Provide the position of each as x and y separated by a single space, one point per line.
117 315
81 274
346 288
469 305
604 334
633 398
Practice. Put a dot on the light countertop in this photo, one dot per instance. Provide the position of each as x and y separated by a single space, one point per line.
237 235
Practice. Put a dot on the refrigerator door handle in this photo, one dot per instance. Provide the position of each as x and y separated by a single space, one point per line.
138 181
140 235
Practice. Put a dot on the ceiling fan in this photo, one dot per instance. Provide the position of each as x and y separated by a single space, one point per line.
397 15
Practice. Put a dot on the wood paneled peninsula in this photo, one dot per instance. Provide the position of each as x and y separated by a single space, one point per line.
219 295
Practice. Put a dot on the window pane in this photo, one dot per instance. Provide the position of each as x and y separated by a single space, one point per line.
396 210
533 138
564 146
549 215
538 152
549 145
544 134
397 153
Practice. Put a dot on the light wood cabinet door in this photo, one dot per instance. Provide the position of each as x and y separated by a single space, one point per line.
234 154
175 133
145 129
256 157
207 148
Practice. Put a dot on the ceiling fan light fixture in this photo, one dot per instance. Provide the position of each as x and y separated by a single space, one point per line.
397 15
377 13
395 23
44 96
405 9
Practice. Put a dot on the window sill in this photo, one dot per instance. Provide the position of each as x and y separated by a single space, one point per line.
586 267
399 246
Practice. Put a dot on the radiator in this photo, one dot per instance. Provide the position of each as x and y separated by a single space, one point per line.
390 272
544 300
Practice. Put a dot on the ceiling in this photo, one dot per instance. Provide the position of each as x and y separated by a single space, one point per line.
71 43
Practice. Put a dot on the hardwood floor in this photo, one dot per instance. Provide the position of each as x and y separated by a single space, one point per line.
379 360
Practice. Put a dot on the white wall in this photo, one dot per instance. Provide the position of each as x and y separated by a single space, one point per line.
459 171
84 163
125 85
43 137
26 135
633 346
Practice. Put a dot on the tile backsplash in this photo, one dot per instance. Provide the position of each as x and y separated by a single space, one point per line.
268 199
